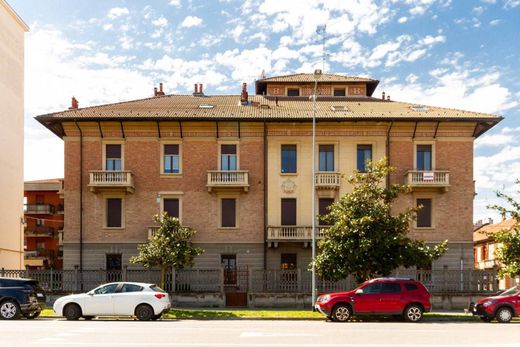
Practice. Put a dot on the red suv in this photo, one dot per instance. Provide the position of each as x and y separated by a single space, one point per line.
381 296
502 307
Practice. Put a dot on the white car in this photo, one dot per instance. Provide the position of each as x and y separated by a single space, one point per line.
143 300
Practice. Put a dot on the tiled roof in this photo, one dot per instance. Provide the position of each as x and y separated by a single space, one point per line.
225 107
308 77
49 180
481 233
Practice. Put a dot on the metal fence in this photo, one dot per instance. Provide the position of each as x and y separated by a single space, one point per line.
258 280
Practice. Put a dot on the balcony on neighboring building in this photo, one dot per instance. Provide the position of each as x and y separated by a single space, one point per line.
328 180
228 180
38 209
39 231
105 180
276 234
428 179
486 264
38 257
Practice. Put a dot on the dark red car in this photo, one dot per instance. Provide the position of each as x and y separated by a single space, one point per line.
502 307
382 296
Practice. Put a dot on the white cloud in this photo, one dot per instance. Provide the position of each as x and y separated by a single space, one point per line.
117 12
191 21
160 22
493 140
236 32
402 20
495 22
430 40
107 26
176 3
511 3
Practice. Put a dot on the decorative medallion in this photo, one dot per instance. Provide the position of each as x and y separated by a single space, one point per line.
288 186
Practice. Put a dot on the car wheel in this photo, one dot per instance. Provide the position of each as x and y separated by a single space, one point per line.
72 312
341 313
504 315
156 317
9 309
486 319
32 315
144 312
413 313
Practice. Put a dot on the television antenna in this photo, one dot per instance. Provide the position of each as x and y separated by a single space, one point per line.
321 30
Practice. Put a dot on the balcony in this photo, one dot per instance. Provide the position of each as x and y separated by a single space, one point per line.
38 209
228 180
486 264
103 180
292 234
39 231
152 230
327 183
428 179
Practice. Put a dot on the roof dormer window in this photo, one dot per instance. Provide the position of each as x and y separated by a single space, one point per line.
419 108
339 108
293 91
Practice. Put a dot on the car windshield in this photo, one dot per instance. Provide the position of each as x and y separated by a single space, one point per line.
511 291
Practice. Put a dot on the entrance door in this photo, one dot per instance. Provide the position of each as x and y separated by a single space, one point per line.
113 262
235 281
229 262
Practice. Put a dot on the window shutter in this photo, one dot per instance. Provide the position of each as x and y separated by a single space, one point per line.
228 149
288 211
114 213
171 149
171 206
113 151
228 213
424 216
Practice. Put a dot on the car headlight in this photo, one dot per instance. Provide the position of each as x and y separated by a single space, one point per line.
487 303
324 298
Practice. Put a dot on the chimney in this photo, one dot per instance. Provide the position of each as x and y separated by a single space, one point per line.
154 91
160 91
74 104
383 96
200 89
195 89
490 220
244 95
388 98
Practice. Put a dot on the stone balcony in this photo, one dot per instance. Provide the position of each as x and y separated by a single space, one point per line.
418 179
228 180
328 180
104 180
276 234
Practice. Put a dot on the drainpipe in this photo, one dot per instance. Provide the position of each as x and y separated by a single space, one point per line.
265 196
388 152
80 203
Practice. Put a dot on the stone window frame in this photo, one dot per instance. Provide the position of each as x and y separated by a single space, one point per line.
433 211
371 143
105 198
104 144
336 145
237 211
293 87
228 142
171 195
298 156
161 167
424 142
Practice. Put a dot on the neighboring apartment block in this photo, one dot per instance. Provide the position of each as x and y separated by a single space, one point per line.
238 169
485 248
44 212
12 30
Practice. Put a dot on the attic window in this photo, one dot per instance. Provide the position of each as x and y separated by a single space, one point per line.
264 106
206 106
419 108
339 108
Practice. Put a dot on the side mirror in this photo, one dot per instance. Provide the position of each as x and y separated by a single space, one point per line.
359 291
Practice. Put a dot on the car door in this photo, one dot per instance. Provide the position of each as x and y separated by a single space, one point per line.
99 302
367 302
127 298
391 298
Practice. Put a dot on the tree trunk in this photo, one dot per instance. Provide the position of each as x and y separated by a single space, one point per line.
163 274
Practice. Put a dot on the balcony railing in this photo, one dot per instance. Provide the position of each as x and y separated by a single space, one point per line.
328 180
38 209
110 180
39 231
228 179
486 264
435 179
151 231
293 233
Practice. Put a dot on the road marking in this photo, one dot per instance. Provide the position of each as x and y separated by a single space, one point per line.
261 334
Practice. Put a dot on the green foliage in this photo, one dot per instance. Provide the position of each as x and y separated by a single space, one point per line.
365 239
170 246
509 252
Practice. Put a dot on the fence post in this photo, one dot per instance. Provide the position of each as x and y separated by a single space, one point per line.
299 279
76 267
250 280
174 275
125 267
51 280
222 280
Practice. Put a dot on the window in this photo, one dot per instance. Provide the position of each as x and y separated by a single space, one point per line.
424 157
288 261
171 159
113 157
114 209
293 92
410 286
424 216
228 212
323 204
40 222
108 289
129 288
228 157
171 207
374 288
339 91
326 158
288 158
364 155
390 288
288 211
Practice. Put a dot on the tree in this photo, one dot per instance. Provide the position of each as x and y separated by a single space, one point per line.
508 254
169 246
365 239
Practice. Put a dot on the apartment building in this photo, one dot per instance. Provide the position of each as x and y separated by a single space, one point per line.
44 212
12 29
238 169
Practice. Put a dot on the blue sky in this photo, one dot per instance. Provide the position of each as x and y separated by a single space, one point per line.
460 54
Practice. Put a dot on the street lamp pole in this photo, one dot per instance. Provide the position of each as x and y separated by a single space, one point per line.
317 75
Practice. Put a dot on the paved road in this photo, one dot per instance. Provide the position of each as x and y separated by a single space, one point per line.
193 333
